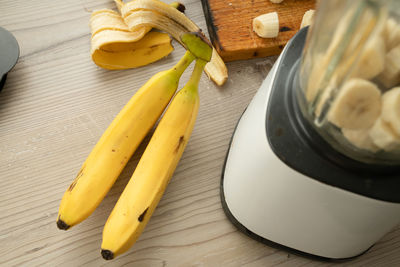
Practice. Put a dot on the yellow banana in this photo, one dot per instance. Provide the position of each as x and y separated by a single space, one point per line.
146 186
157 164
117 145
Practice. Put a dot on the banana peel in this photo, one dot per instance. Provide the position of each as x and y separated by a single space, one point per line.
112 32
159 15
114 46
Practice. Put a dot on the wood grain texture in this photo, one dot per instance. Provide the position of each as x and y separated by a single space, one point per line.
229 23
53 109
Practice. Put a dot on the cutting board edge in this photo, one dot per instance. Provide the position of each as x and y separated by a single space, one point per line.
250 54
211 30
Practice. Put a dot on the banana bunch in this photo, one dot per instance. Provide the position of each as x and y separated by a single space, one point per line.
353 84
124 41
118 143
157 164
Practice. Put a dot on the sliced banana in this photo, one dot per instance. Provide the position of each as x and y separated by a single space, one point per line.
360 139
372 59
391 33
384 136
391 108
308 18
266 25
356 106
390 75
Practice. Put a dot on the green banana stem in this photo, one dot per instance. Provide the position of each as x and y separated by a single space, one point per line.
196 74
184 62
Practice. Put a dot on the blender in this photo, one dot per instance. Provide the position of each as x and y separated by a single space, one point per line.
314 163
9 53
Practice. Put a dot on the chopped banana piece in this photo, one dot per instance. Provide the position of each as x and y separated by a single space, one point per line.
391 34
266 25
360 139
390 75
357 105
391 108
308 18
384 136
372 59
276 1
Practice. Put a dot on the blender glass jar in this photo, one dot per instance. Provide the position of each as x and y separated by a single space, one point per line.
349 78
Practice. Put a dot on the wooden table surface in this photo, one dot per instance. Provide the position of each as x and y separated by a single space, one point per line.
53 109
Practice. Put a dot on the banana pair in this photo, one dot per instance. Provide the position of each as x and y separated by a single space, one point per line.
158 162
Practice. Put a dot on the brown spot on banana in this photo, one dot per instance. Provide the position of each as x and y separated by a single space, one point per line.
124 160
180 143
154 46
141 216
80 173
181 7
72 186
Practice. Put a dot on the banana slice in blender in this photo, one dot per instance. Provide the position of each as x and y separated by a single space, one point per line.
360 139
391 33
383 135
390 76
391 108
357 105
372 59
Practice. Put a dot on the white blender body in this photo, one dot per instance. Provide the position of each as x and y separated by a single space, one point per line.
276 204
282 205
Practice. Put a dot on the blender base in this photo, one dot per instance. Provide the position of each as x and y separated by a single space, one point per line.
271 200
273 244
263 240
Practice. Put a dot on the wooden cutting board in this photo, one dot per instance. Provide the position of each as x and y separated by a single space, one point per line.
230 28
